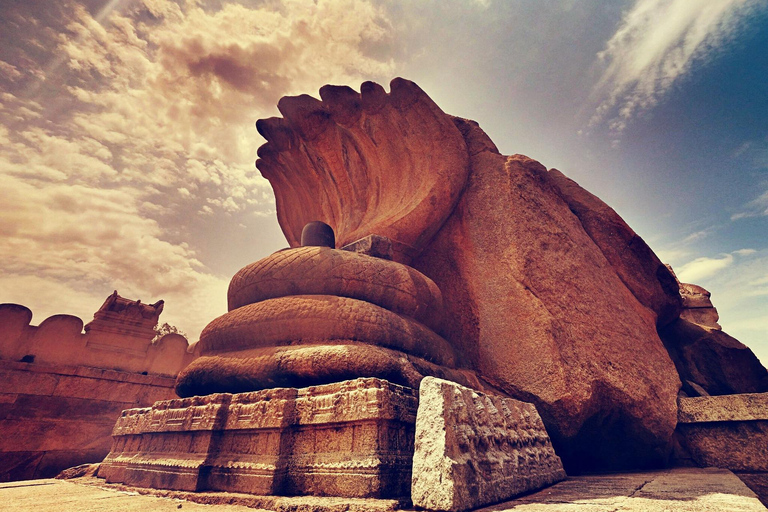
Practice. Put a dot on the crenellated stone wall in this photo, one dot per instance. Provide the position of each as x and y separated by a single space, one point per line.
62 389
120 337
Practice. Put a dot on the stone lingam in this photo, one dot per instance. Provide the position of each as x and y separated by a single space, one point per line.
418 251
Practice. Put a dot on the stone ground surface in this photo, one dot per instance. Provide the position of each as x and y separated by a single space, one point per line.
683 489
61 496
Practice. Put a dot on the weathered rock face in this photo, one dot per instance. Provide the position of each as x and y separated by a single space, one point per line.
637 266
364 163
539 311
710 362
473 449
697 306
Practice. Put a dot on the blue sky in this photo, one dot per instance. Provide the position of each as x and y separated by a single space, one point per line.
127 140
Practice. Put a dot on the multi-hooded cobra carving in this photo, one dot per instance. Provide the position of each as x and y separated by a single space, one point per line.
368 162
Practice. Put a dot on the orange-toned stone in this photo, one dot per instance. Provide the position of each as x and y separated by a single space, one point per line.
307 319
697 306
369 162
305 365
638 267
323 271
538 310
352 438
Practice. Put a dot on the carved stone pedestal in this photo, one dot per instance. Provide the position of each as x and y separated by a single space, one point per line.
350 439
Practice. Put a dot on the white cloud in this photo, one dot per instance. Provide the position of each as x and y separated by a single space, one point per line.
702 268
9 71
656 44
83 240
180 94
697 236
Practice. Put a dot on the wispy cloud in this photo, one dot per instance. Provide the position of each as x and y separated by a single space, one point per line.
151 127
758 207
755 153
657 43
702 268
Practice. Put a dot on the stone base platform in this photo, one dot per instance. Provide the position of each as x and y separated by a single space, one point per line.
352 439
726 431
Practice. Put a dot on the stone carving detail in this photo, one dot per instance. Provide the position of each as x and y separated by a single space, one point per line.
547 294
369 162
303 319
313 315
473 449
323 271
352 439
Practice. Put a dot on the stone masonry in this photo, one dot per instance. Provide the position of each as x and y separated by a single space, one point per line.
474 449
351 439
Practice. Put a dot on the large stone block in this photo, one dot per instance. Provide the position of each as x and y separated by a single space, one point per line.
351 439
472 449
727 431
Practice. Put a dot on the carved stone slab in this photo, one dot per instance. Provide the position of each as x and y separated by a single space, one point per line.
350 439
474 449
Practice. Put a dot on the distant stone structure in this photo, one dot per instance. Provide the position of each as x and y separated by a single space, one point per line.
118 338
61 390
418 251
